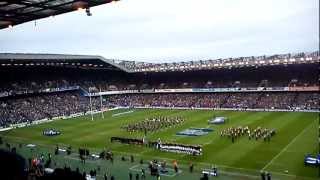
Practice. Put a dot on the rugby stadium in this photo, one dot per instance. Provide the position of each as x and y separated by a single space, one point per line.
91 100
90 117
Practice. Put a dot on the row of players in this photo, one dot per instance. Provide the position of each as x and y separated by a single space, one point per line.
154 124
257 133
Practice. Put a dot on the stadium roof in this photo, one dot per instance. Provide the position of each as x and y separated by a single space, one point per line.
13 12
99 62
59 60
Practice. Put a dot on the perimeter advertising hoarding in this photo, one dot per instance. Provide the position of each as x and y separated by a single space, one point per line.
208 90
173 90
302 88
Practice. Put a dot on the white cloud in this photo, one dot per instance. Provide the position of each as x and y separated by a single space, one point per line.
167 30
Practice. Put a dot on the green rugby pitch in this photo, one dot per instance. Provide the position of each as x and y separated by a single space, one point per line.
297 135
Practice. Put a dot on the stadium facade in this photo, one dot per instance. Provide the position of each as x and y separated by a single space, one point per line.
46 86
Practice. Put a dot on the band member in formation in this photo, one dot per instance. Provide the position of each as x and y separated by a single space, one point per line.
158 143
154 124
258 133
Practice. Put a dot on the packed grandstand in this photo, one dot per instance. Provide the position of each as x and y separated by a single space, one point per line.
44 86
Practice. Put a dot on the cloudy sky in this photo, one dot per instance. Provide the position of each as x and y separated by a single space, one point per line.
173 30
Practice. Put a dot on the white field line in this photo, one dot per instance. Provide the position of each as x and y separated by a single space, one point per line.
134 167
287 146
121 113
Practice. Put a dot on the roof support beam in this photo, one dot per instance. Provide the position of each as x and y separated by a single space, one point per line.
17 16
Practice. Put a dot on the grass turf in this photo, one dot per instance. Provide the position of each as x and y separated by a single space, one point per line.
296 136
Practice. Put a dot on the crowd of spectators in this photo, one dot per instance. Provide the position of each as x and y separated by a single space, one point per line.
169 100
32 86
18 88
302 75
312 101
26 96
47 106
209 64
276 101
266 100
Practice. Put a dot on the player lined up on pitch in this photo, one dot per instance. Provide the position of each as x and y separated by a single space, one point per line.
154 124
257 133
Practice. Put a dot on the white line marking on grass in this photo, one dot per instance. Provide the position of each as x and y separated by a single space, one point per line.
285 148
121 113
134 167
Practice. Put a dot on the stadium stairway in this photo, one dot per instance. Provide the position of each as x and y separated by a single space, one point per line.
254 103
225 100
